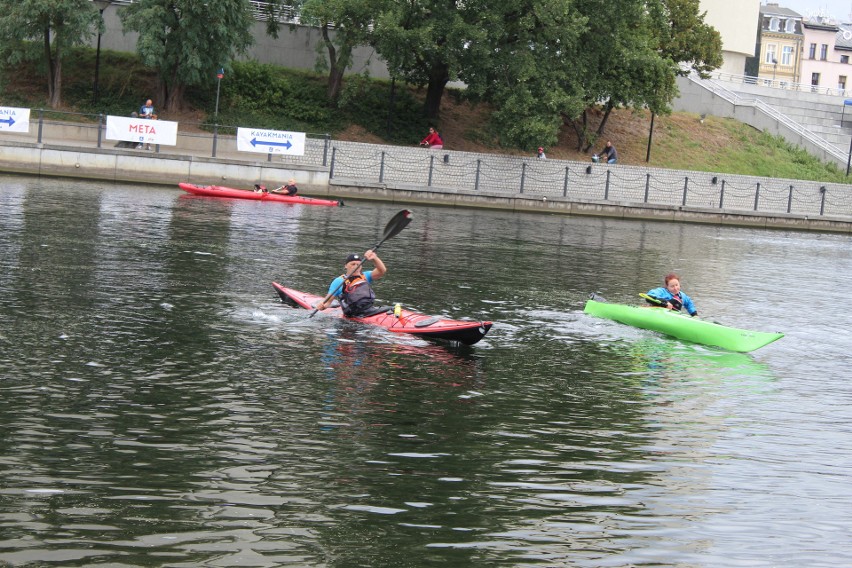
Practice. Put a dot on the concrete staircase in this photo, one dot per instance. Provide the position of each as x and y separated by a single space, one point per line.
821 124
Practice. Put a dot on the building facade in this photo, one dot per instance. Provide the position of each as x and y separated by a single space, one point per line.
736 21
824 66
781 41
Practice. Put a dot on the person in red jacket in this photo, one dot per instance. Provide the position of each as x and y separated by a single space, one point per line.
432 140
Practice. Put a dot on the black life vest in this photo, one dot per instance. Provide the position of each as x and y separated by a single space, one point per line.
357 296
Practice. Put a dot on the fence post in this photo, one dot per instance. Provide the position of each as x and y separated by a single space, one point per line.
722 196
647 186
756 196
431 168
476 183
325 150
215 138
685 187
606 187
523 175
790 199
382 168
40 123
565 185
100 128
823 191
331 169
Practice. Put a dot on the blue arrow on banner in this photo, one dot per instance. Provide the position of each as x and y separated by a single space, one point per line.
10 121
256 142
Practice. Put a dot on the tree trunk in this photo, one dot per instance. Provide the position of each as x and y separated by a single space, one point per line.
338 61
175 98
602 125
580 129
51 70
439 76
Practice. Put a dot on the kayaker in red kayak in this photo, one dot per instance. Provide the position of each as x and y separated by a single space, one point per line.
672 296
289 189
353 288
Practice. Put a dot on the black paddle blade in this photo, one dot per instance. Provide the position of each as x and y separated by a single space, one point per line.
396 224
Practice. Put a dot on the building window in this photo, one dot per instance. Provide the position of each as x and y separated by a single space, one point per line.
787 55
815 79
774 24
790 26
770 54
812 53
844 59
823 52
841 82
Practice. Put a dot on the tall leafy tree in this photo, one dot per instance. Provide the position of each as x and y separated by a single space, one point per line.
30 29
426 42
187 41
523 65
687 39
352 23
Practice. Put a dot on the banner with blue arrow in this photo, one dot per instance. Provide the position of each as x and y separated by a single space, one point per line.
271 141
14 119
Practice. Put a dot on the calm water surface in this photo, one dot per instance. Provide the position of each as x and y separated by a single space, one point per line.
160 407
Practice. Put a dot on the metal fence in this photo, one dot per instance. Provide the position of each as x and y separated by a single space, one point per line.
577 181
497 174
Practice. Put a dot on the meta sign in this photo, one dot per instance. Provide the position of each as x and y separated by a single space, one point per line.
14 119
141 130
271 141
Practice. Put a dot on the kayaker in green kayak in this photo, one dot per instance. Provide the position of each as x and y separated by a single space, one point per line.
671 295
353 287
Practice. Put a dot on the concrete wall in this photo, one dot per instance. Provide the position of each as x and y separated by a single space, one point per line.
295 47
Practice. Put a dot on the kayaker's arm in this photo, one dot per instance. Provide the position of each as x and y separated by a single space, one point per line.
379 269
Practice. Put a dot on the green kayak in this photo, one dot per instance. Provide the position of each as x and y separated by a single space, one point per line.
683 326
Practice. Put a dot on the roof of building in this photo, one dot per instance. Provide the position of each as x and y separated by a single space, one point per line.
776 10
821 23
843 39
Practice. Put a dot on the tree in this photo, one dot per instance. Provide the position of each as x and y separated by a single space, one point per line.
187 41
426 43
522 64
56 25
352 21
686 38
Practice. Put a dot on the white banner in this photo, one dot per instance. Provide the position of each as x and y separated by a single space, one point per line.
141 130
14 119
271 141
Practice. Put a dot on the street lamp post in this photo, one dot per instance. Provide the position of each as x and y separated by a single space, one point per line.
774 70
219 74
101 5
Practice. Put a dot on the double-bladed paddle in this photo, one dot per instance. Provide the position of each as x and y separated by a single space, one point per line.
397 223
653 300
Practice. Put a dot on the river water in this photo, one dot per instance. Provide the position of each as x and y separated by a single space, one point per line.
160 407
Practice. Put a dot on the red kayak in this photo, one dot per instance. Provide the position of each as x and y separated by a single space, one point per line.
220 191
414 323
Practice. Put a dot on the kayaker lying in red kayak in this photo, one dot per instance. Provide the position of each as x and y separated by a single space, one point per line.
353 288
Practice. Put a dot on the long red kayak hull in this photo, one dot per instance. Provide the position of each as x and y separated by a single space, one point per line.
413 323
229 192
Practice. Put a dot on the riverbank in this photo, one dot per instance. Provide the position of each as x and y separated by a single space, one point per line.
349 170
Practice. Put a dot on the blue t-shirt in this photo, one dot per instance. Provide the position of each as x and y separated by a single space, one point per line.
336 286
664 294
